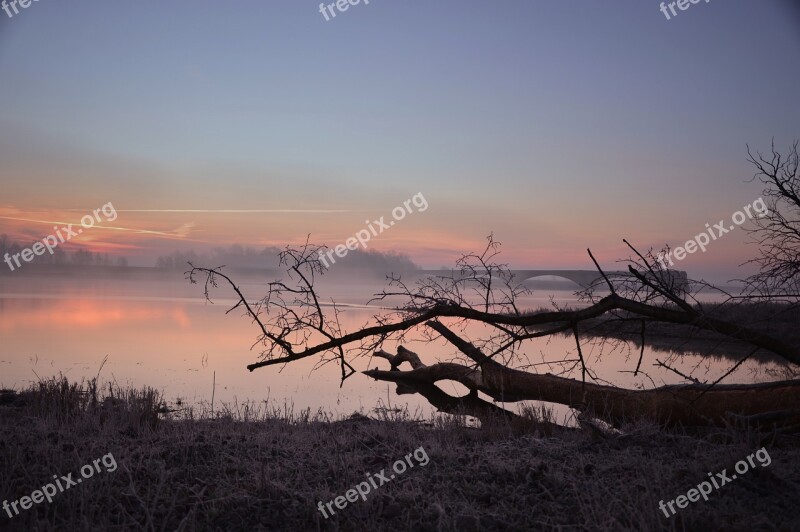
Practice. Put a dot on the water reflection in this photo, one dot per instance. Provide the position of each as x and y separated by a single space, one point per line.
165 335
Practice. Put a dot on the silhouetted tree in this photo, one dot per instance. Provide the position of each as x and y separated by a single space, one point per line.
778 232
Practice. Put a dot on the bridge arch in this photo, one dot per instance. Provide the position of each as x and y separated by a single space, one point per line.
575 280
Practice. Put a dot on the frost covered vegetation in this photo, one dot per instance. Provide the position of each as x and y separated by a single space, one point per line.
254 467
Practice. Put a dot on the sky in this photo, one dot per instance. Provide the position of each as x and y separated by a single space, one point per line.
556 125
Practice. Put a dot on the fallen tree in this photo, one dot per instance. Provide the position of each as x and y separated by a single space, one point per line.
295 326
773 403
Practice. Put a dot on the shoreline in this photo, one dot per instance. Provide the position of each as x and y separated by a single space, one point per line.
260 473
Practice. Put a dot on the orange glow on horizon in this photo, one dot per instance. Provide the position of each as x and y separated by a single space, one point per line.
87 313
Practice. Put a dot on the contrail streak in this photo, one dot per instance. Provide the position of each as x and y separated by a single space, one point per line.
172 235
239 211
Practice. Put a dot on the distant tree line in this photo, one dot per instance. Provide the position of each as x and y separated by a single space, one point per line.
238 256
235 255
60 257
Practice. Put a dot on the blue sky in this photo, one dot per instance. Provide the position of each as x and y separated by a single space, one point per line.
559 125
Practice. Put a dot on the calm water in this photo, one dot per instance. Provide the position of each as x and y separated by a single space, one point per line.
161 332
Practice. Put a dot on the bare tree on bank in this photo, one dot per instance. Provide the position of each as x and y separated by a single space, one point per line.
296 323
778 232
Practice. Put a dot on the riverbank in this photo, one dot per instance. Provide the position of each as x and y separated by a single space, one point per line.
248 468
778 320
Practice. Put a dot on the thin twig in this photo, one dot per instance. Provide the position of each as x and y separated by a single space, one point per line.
641 351
610 286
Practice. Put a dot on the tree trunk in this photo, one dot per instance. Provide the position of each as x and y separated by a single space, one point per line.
772 404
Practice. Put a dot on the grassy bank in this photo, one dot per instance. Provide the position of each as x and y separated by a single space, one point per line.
250 468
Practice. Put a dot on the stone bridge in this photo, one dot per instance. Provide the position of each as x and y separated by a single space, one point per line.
583 278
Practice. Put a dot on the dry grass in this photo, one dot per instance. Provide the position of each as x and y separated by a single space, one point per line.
253 467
